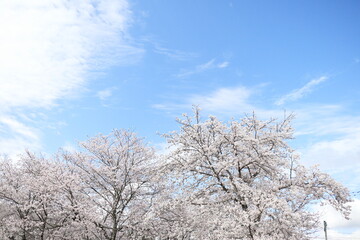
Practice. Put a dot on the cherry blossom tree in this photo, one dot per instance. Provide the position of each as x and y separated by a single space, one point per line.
38 200
116 171
242 180
103 191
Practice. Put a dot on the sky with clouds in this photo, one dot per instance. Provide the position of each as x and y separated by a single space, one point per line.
72 69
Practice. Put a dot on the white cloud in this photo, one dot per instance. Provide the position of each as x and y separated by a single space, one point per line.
323 119
221 100
338 156
167 107
332 137
174 53
19 128
202 67
12 146
157 47
301 92
223 64
205 66
337 226
345 150
48 48
105 94
15 135
335 220
224 99
229 102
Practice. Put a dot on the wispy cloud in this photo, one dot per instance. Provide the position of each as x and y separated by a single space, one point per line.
323 119
229 102
105 93
203 67
19 128
48 48
157 46
174 53
16 136
224 99
301 92
223 64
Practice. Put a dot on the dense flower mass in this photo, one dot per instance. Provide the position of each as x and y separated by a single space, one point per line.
237 180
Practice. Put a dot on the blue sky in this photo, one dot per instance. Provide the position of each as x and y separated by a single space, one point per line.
72 69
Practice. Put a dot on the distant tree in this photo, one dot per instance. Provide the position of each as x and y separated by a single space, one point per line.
241 180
